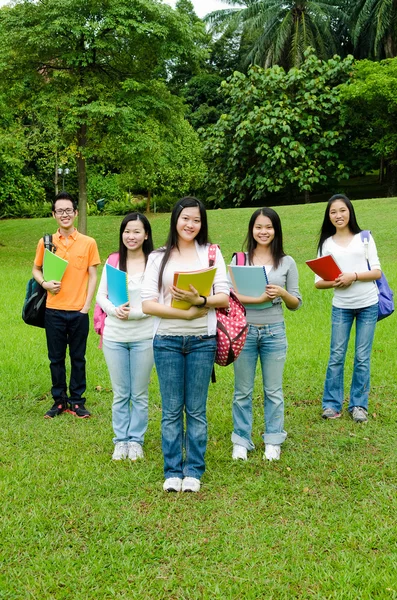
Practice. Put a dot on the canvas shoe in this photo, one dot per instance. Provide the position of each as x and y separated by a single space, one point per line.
191 484
172 484
79 410
272 452
56 409
330 413
120 451
135 450
239 452
359 414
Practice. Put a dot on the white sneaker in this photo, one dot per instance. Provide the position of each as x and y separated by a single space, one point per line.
172 484
120 451
135 451
272 452
239 452
191 484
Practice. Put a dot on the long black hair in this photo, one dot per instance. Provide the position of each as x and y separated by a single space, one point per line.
172 240
328 229
147 246
276 245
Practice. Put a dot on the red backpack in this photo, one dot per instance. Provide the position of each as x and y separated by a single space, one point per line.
99 314
231 327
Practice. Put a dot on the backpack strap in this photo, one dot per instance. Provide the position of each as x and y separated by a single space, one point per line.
113 259
47 239
364 235
241 258
212 254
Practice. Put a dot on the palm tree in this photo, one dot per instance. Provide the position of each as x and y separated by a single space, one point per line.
375 27
278 32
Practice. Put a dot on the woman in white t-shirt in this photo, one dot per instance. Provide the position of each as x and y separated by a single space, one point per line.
127 340
355 298
184 343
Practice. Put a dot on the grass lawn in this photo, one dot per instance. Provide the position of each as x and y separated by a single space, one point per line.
320 523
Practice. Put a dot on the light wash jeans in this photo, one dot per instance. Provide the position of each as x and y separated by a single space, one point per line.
130 365
269 343
184 366
342 321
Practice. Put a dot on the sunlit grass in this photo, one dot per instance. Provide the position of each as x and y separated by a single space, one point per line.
318 524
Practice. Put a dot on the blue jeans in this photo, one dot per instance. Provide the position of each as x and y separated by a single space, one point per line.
130 365
269 343
184 366
342 321
65 328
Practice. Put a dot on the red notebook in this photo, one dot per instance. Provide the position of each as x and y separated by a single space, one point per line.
325 267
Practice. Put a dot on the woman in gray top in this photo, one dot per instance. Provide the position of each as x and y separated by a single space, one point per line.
266 336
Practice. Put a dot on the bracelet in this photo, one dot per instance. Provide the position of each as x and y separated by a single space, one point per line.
41 284
205 301
356 279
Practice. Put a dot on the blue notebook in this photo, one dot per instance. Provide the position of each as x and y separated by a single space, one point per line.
250 281
117 285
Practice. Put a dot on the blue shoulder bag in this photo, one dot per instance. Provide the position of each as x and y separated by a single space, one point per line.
385 293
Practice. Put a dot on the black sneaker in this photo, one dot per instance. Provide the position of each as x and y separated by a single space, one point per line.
56 409
79 410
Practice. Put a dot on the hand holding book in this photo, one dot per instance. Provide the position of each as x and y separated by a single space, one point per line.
191 296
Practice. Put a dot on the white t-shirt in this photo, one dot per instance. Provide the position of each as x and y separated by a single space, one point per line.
138 327
150 291
351 259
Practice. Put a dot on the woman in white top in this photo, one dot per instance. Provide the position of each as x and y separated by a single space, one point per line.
355 298
127 341
184 343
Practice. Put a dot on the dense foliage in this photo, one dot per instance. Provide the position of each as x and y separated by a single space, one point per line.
282 129
128 94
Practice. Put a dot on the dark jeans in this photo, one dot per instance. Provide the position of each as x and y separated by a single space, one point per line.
67 328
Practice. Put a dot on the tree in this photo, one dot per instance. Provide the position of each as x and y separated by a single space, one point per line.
282 131
280 32
370 107
374 25
84 61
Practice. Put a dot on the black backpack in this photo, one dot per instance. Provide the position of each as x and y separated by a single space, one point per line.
33 310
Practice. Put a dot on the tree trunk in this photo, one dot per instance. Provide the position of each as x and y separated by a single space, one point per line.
381 170
149 197
307 197
56 177
82 177
392 178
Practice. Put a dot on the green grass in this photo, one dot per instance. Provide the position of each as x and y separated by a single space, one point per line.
318 524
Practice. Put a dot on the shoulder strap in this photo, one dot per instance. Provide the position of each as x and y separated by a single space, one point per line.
241 258
47 239
113 259
364 235
212 254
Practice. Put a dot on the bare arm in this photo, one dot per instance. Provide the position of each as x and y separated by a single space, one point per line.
192 296
253 300
51 286
276 291
346 279
92 277
152 307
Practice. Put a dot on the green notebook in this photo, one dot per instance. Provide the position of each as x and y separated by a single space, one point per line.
54 266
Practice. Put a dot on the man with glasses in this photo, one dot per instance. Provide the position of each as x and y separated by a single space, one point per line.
68 303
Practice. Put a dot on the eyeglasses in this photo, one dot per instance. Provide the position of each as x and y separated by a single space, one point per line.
64 211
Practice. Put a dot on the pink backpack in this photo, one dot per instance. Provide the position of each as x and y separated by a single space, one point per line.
232 327
99 314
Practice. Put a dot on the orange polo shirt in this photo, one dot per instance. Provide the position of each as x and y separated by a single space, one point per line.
81 252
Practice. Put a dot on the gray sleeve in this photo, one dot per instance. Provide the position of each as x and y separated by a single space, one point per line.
292 281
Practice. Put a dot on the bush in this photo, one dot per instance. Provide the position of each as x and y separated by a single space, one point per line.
21 196
123 207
